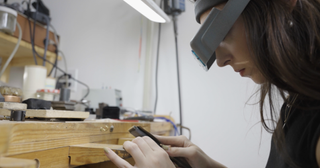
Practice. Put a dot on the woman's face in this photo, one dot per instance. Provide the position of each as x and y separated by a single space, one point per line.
234 50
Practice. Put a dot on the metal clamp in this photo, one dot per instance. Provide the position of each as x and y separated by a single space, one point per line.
17 115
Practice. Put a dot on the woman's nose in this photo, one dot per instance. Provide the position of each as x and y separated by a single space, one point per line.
223 56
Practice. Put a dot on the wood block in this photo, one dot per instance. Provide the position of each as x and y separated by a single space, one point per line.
58 157
4 138
107 164
50 114
36 136
13 106
93 153
17 163
122 140
160 128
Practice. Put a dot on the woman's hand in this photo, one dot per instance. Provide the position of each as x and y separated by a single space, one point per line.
145 152
182 147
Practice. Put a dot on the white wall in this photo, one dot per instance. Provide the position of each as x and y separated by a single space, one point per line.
101 39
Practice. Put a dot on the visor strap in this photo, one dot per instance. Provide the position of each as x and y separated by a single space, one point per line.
203 5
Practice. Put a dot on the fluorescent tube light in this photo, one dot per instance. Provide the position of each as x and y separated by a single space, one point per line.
149 9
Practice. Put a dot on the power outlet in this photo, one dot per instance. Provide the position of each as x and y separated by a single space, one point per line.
73 83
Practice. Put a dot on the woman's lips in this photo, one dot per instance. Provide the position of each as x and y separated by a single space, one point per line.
242 72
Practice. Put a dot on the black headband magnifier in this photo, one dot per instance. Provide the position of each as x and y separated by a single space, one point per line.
215 28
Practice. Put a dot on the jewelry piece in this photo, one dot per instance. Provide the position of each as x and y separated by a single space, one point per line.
290 23
289 106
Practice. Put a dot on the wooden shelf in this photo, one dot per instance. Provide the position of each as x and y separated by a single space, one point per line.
8 43
23 56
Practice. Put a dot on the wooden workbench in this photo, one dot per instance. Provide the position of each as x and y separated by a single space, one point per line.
67 144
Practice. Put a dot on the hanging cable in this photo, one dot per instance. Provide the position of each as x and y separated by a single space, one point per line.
55 61
13 52
45 60
157 66
58 49
65 65
30 31
156 71
174 19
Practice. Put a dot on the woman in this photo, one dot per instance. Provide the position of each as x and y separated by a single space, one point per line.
276 44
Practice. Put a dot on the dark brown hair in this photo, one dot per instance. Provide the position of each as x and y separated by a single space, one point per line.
284 42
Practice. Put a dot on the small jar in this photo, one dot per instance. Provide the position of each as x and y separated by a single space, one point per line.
8 19
48 94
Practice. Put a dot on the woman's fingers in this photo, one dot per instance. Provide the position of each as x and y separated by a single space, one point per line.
181 152
119 162
180 141
143 145
134 151
153 145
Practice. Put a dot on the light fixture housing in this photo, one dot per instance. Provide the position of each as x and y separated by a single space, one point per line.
150 10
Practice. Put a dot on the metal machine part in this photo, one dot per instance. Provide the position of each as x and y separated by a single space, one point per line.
112 97
8 19
65 94
215 28
37 104
174 7
17 115
2 99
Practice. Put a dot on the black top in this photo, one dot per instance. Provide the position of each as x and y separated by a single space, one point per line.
302 132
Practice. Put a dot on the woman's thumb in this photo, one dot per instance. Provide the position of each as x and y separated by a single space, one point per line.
178 152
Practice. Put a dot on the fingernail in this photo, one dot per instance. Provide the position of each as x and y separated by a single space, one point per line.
106 150
166 147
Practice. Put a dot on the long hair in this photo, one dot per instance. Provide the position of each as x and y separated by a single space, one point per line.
284 42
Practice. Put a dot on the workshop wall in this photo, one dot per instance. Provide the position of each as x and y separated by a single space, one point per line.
213 103
101 40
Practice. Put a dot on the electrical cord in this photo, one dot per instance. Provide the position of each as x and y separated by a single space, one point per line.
157 67
30 31
45 60
70 77
47 33
178 125
88 91
13 52
56 44
176 133
58 47
65 73
156 73
55 61
174 18
65 64
32 34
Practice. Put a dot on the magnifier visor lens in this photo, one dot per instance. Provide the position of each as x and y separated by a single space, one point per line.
214 29
200 61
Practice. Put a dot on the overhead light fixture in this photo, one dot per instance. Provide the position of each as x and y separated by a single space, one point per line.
149 9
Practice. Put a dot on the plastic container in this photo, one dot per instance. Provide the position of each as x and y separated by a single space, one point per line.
8 19
48 94
6 90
